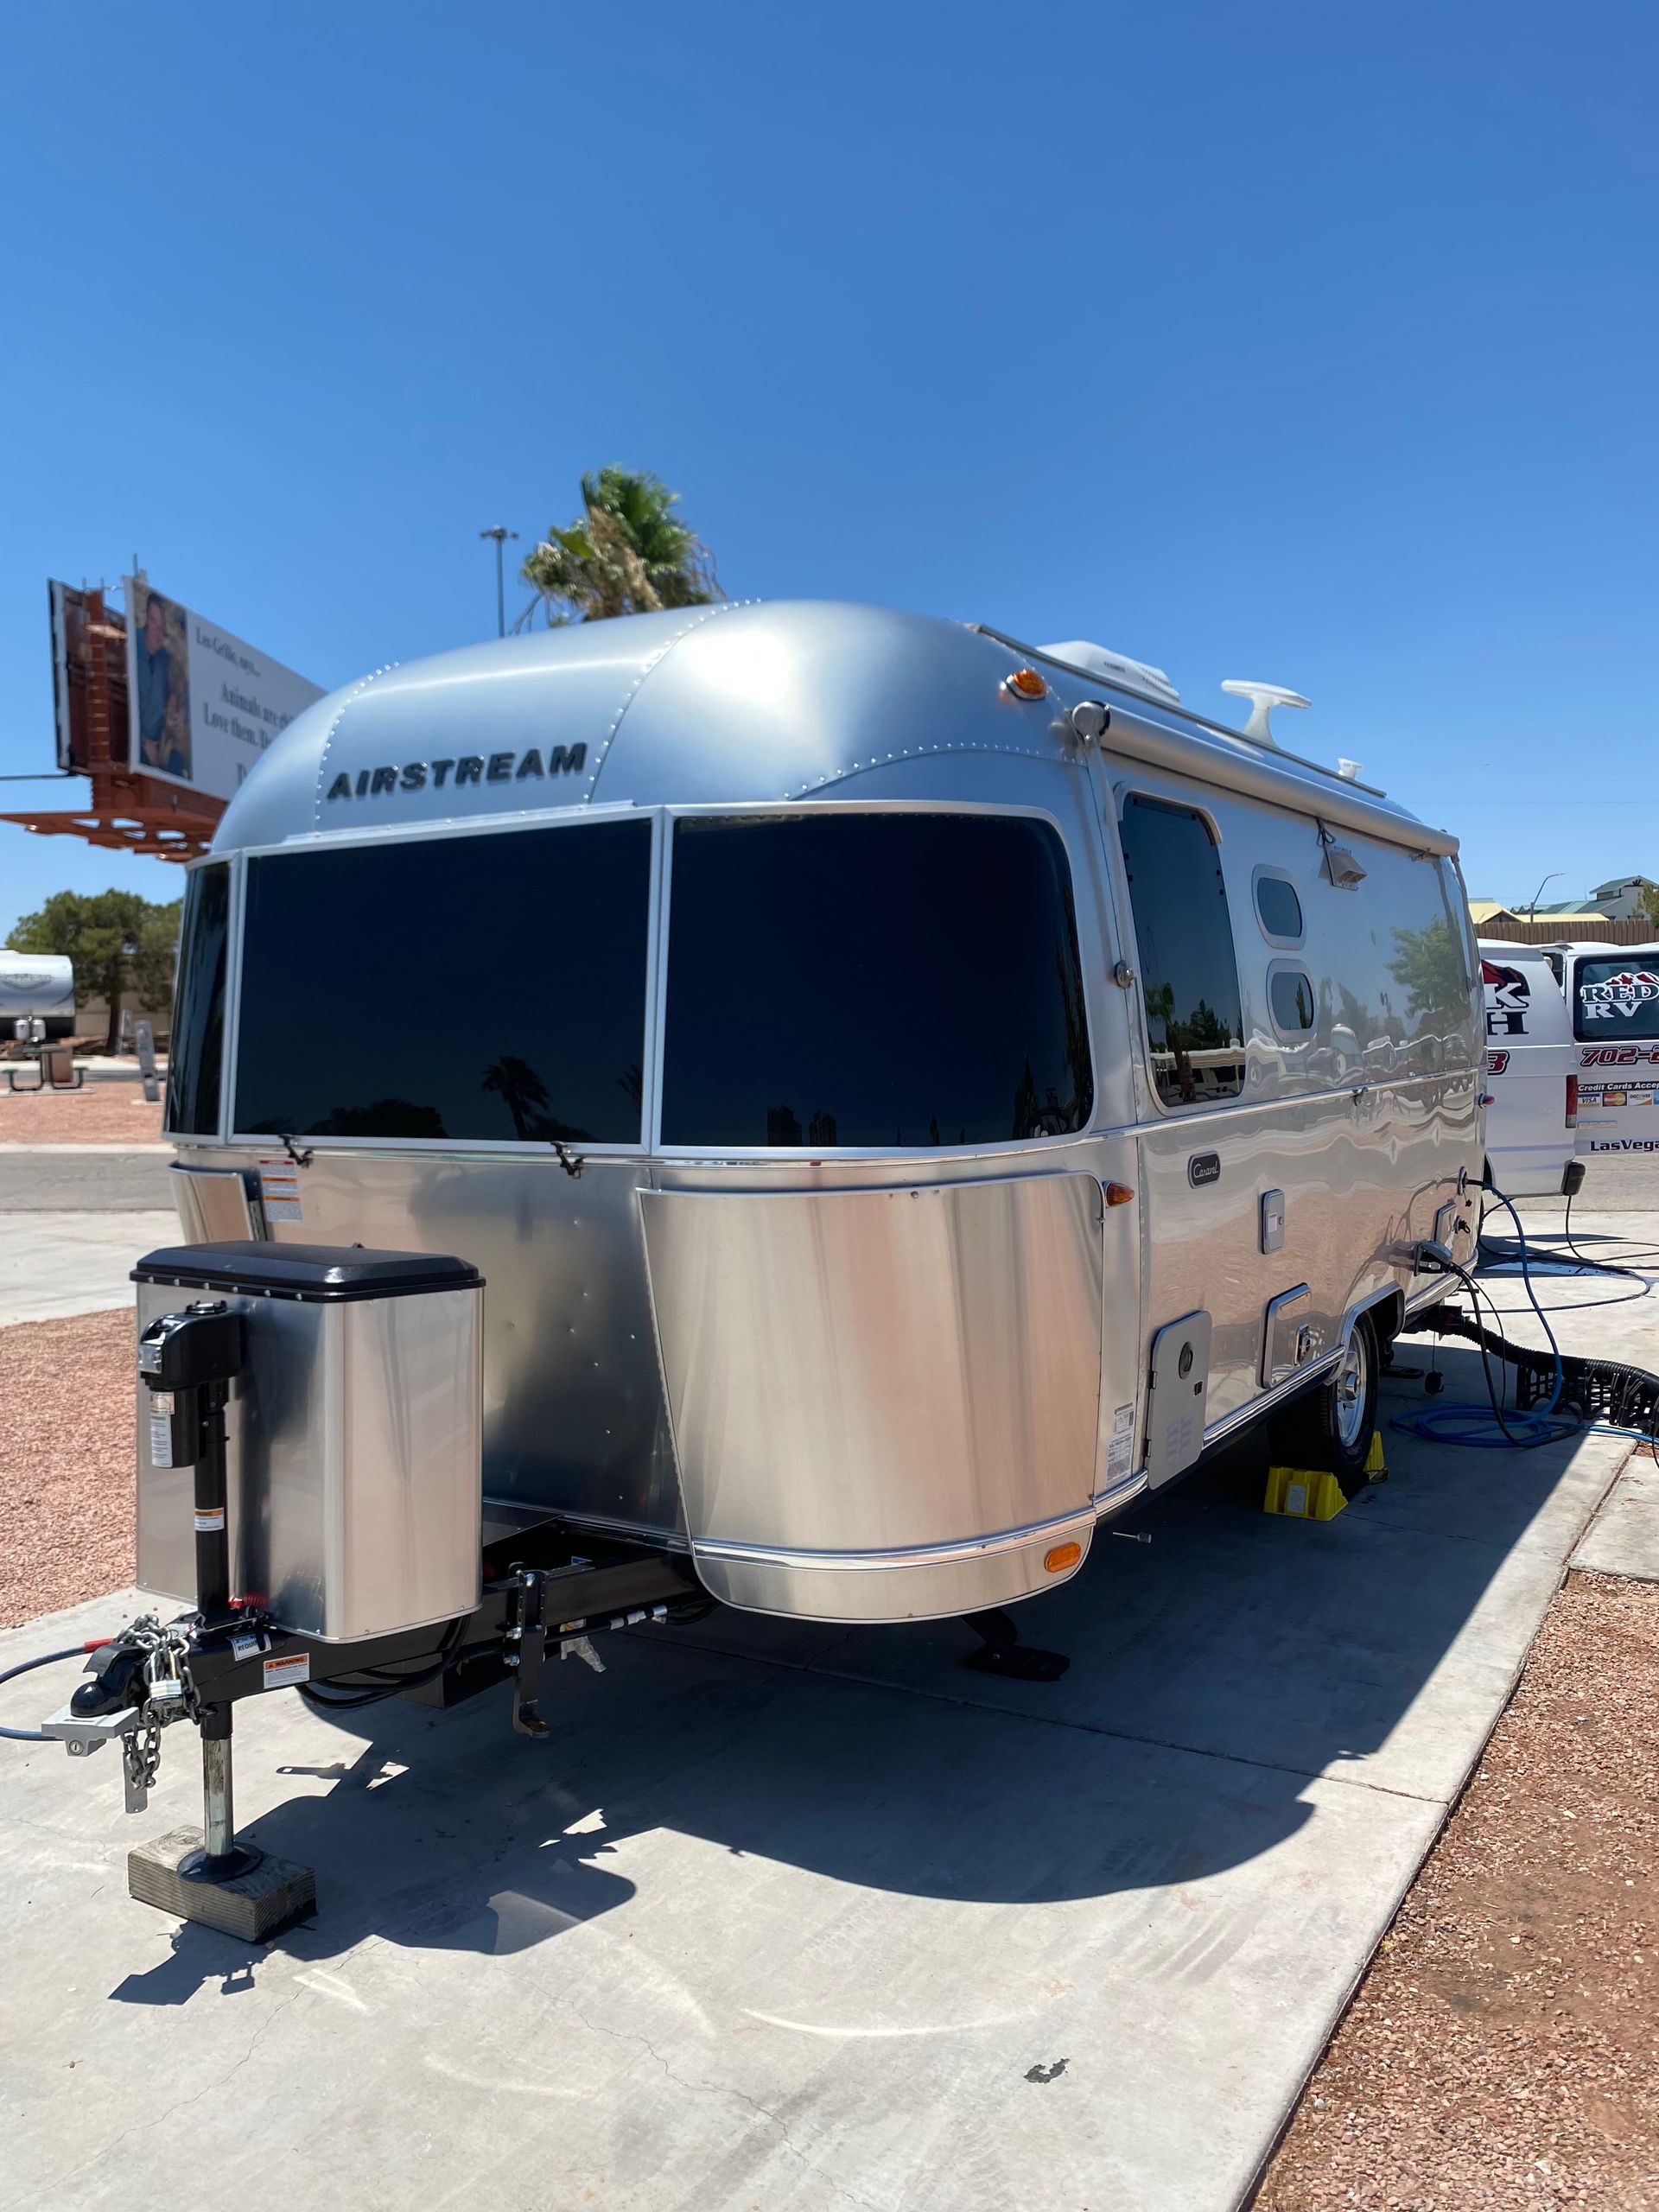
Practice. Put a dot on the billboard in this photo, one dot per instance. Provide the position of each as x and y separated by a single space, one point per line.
203 705
89 658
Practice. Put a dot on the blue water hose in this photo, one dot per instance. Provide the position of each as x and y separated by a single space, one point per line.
1492 1426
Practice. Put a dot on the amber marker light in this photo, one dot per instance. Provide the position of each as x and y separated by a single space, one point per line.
1026 683
1118 1194
1062 1556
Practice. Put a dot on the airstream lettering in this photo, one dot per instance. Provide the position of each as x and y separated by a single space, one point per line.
790 1194
412 776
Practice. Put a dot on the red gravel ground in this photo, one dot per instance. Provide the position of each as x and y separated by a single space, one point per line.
98 1112
1501 2050
66 1453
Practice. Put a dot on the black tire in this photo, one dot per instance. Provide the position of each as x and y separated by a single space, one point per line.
1330 1428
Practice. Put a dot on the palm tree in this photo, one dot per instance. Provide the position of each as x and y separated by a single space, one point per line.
522 1091
626 553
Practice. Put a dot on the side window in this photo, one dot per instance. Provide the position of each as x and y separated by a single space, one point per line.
1188 974
1277 907
1618 1000
197 1041
1290 995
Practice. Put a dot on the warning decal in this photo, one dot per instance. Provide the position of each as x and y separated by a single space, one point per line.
1120 1448
279 1190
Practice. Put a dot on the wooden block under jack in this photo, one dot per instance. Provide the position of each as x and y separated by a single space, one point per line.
253 1906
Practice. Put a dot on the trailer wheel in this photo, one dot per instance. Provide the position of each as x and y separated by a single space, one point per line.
1331 1427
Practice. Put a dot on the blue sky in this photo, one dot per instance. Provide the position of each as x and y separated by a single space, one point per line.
1307 343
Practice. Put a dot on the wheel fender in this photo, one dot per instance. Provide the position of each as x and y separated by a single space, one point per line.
1388 1322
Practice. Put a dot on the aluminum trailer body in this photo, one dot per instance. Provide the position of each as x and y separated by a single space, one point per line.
901 1113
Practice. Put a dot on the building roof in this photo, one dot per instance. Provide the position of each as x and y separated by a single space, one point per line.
1576 909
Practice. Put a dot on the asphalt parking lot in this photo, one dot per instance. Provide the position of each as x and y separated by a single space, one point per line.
793 1917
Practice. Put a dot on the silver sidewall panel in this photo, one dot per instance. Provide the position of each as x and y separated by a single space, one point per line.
862 1371
914 1590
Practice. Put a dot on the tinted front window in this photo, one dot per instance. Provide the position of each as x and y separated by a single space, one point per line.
1616 1001
489 989
873 979
195 1050
1188 976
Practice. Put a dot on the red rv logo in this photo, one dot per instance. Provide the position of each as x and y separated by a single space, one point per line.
1621 994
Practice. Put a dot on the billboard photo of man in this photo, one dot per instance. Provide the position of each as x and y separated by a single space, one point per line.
161 696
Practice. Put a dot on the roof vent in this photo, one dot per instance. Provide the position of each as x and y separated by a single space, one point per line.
1263 698
1116 668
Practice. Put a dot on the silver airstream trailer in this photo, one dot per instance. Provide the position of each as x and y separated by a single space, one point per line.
904 1093
882 1066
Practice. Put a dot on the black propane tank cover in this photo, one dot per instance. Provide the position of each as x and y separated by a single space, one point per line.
259 1267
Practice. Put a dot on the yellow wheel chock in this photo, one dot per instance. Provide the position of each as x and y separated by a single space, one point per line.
1303 1493
1308 1494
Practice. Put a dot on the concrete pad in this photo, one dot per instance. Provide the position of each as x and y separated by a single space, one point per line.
125 1151
85 1178
1377 1647
1628 1181
56 1263
1600 1318
1624 1538
794 1917
739 1935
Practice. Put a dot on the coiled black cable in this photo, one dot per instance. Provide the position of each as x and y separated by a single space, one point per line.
26 1667
373 1684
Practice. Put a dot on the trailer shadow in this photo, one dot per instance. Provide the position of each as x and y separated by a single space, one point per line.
1216 1675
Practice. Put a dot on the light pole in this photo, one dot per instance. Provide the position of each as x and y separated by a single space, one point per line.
500 534
1532 910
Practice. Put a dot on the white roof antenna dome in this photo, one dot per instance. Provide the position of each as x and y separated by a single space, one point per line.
1263 698
1116 668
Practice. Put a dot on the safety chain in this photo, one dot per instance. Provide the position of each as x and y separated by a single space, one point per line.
142 1752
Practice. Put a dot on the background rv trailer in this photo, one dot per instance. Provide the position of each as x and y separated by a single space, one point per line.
42 983
905 1108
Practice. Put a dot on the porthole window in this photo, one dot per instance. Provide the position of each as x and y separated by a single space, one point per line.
1290 995
1277 907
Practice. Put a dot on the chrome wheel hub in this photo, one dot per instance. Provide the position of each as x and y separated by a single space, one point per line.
1351 1389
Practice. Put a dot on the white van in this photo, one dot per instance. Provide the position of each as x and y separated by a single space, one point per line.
1612 994
1532 1084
